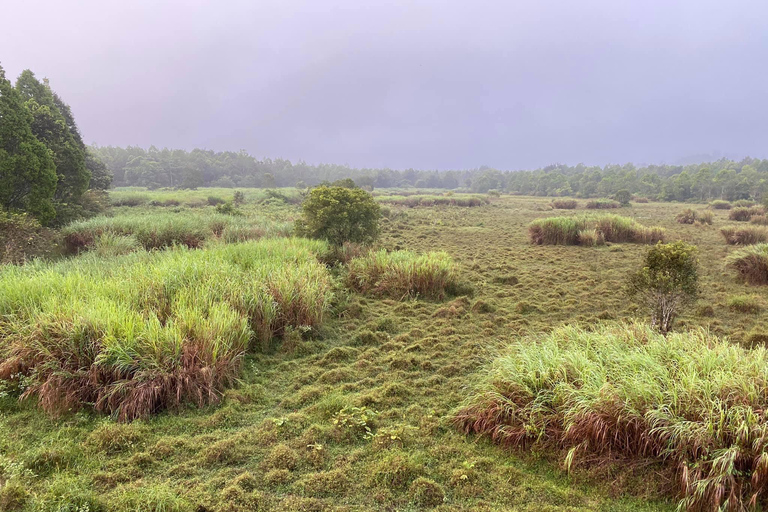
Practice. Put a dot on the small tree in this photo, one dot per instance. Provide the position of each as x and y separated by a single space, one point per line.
623 196
667 283
339 214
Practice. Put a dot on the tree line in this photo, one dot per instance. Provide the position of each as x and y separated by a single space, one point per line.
45 167
721 179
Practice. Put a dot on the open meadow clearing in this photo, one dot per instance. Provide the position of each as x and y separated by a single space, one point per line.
364 386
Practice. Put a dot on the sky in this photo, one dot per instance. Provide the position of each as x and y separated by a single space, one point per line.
392 83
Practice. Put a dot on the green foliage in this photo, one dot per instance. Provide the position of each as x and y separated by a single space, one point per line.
625 389
101 177
339 215
667 282
27 170
160 328
589 230
623 196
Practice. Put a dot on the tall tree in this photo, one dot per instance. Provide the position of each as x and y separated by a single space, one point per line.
59 133
27 171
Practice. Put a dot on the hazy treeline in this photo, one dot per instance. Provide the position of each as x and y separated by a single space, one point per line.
156 168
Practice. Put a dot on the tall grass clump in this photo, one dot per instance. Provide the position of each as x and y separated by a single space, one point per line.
402 273
158 230
602 204
689 400
744 235
411 201
147 331
719 204
591 230
565 204
744 214
750 263
689 216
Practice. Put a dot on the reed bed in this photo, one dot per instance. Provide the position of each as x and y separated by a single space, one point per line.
400 274
744 235
750 263
157 230
602 204
147 331
591 230
466 200
690 400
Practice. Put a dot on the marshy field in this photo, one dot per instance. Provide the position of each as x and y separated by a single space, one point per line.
186 352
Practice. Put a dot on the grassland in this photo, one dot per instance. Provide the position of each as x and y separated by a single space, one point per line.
358 414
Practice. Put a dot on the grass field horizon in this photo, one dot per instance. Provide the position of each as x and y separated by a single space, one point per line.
359 412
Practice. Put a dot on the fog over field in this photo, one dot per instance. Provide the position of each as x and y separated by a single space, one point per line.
421 84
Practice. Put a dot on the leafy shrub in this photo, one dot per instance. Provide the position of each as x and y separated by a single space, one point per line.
238 197
750 263
720 205
623 197
591 230
625 389
228 208
602 204
744 235
22 238
565 204
152 330
339 215
667 282
402 273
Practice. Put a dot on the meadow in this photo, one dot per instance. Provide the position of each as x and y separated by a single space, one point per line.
358 408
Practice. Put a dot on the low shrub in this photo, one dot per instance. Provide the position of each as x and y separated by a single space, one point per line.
750 263
591 230
743 214
689 400
215 201
744 235
402 273
745 304
720 205
565 204
139 333
602 204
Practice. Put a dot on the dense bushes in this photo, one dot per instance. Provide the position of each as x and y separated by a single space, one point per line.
340 214
147 331
689 400
402 273
751 263
158 230
744 235
591 230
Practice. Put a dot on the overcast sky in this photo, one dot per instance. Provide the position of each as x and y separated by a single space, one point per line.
424 84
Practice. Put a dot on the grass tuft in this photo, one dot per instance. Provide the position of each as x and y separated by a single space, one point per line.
744 235
591 230
750 263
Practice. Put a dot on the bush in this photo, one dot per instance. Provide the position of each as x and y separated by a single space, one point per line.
215 201
744 203
565 204
152 330
745 235
399 274
689 400
667 282
591 230
751 264
623 197
339 214
689 216
720 205
238 197
602 204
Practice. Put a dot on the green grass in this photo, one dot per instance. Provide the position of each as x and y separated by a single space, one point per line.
400 274
147 331
591 230
689 400
161 229
751 263
138 196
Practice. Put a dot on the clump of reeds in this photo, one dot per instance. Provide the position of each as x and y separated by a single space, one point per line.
602 204
690 400
689 216
744 235
400 274
565 204
591 230
411 201
744 214
744 203
750 263
147 331
760 220
719 204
